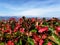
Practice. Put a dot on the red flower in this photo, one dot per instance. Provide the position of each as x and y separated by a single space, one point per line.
58 29
21 20
12 19
7 31
49 43
16 28
56 33
16 39
41 42
17 24
38 27
8 26
10 43
42 29
3 20
22 30
35 43
0 28
36 37
33 19
44 36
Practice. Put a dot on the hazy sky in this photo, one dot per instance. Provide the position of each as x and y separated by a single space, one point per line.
32 8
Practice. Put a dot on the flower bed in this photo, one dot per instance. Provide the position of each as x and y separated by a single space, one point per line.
30 31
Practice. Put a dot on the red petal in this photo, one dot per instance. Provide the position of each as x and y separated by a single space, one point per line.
58 28
44 36
10 43
36 37
43 29
33 19
49 43
22 30
41 42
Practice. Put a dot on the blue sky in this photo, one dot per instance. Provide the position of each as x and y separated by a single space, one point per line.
32 8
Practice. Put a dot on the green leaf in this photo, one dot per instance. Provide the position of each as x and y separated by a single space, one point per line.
1 43
56 23
16 34
54 44
51 29
45 42
12 25
4 28
45 23
30 41
57 39
20 42
34 30
17 44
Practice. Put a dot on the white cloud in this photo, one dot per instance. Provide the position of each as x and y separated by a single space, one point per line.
29 9
36 12
39 12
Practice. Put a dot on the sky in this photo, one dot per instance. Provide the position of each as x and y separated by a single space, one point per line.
30 8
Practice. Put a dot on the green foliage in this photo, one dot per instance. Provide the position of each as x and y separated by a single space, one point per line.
57 39
12 25
16 34
51 29
45 42
20 42
34 30
30 41
45 23
1 43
